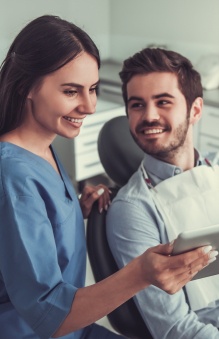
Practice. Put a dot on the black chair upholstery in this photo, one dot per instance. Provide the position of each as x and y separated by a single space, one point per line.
118 152
120 157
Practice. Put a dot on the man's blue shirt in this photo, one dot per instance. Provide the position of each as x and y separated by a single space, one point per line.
133 225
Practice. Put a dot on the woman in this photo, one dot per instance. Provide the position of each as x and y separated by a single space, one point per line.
48 85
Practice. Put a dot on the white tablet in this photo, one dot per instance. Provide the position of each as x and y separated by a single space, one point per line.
192 239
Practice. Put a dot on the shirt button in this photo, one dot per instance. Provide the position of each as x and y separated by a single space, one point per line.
177 171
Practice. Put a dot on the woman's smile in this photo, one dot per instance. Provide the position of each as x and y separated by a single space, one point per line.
77 123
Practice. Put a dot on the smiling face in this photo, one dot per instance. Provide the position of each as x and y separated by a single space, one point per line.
157 112
63 99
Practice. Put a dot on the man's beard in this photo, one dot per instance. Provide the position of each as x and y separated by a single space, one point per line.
162 151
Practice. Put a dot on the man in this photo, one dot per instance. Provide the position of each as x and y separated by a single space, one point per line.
170 192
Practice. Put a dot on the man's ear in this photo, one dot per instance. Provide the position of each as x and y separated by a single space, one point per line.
196 110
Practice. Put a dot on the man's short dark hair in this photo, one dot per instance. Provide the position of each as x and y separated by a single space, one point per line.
151 60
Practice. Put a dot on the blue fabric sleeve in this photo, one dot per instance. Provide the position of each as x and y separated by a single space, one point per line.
29 265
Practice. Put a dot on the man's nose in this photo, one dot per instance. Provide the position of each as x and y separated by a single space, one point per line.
152 113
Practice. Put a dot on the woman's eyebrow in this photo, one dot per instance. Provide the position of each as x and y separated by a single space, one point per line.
74 84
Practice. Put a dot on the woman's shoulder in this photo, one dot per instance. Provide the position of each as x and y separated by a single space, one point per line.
22 171
15 160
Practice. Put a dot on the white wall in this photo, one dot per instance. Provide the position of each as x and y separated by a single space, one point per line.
190 27
122 27
92 16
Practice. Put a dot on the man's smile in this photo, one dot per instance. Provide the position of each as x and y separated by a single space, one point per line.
153 131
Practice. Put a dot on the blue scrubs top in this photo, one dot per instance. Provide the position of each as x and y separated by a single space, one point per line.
42 245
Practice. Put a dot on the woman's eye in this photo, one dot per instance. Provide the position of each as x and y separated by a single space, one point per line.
94 89
70 92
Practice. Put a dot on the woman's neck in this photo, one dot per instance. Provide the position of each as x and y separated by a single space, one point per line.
31 143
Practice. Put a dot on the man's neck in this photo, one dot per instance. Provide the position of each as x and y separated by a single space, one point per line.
185 158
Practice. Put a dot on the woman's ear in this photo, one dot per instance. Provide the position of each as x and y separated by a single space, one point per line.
196 110
29 96
35 88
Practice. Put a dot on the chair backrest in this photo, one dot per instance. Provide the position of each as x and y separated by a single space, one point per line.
118 152
120 157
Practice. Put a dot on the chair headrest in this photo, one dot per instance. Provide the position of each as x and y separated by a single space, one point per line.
118 152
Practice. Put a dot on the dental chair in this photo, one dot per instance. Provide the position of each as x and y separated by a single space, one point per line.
120 157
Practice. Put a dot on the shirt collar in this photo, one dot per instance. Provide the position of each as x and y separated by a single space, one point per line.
164 170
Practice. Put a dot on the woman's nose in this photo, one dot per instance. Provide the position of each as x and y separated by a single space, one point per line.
87 104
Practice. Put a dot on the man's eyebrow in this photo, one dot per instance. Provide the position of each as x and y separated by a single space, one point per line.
135 98
74 84
161 95
156 96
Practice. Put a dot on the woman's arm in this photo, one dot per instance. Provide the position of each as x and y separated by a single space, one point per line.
155 266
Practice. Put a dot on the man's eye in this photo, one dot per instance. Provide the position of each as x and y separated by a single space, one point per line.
163 102
136 105
70 92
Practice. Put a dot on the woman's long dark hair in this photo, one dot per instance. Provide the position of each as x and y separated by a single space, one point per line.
43 46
